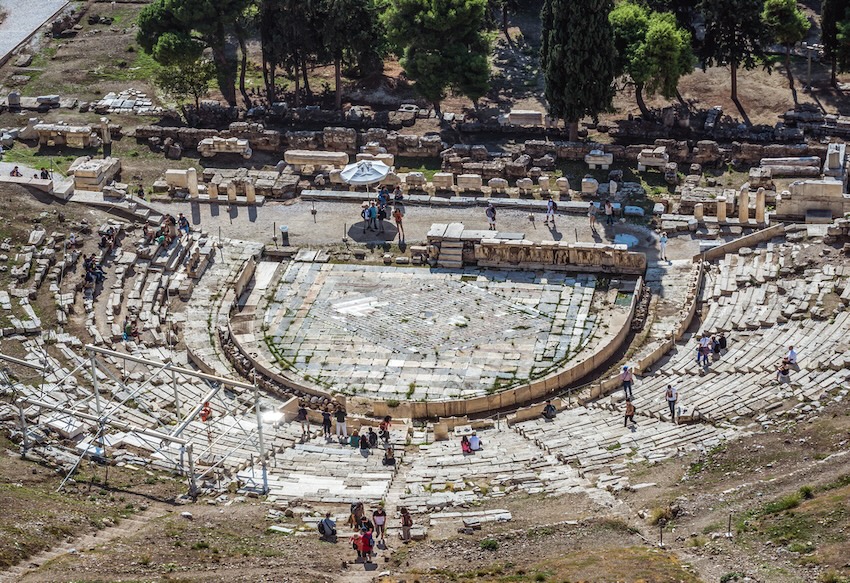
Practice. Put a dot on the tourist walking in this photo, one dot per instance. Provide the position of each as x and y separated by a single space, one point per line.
341 429
303 419
551 209
704 349
609 213
366 544
326 422
671 395
384 429
406 524
379 517
591 215
627 377
662 244
491 216
630 413
398 217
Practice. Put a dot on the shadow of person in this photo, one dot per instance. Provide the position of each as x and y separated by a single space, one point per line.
360 233
553 230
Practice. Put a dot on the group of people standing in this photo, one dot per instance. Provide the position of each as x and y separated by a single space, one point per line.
710 345
368 533
375 212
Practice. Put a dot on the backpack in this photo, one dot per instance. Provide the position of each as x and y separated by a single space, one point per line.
554 206
491 212
407 520
363 213
322 528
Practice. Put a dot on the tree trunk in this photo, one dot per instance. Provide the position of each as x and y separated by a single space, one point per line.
243 67
573 127
437 110
307 91
338 81
297 88
268 78
833 70
734 67
224 75
644 110
788 67
505 22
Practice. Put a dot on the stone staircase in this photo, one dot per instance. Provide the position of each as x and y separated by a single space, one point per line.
451 254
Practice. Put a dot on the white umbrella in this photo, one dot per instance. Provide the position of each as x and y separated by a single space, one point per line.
365 172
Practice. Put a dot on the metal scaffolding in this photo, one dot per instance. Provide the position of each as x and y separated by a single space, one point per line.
167 442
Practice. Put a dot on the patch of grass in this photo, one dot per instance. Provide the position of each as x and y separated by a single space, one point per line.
489 544
427 166
781 505
48 158
660 513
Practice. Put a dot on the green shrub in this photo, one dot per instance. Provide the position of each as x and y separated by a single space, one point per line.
807 492
489 544
785 503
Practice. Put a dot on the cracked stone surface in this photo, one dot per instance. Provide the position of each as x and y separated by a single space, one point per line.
415 333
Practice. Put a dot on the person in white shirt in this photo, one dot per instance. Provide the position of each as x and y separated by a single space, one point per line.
474 442
791 357
672 395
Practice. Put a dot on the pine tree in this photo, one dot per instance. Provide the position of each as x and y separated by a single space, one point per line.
578 59
832 11
734 36
167 25
787 25
443 46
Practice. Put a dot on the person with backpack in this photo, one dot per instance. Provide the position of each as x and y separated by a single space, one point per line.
384 429
366 544
357 512
671 395
406 524
327 527
551 209
373 437
364 442
364 214
382 216
491 216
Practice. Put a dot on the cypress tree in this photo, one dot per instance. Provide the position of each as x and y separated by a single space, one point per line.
578 59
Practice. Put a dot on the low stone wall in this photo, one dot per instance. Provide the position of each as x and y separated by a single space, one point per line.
559 255
746 241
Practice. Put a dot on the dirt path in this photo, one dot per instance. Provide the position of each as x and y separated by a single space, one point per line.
125 527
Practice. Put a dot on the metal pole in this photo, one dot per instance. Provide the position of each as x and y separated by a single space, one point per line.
193 488
176 395
197 409
94 385
260 434
25 443
729 527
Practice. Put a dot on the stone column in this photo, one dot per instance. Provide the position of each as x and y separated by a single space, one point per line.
760 206
250 192
698 212
744 205
192 182
231 191
721 209
212 191
104 131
